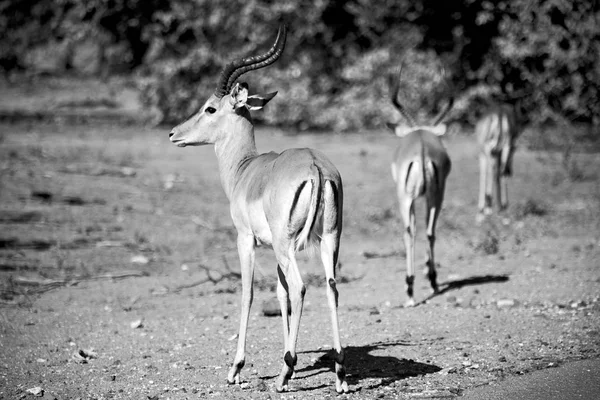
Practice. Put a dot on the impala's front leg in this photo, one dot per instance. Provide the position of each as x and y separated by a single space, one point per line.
488 167
483 184
497 182
506 171
245 245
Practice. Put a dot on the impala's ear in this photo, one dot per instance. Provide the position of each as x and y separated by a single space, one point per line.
239 95
258 101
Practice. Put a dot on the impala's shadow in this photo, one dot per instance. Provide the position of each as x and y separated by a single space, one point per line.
362 364
459 283
474 280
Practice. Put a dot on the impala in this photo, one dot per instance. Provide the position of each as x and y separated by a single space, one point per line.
420 168
287 201
496 134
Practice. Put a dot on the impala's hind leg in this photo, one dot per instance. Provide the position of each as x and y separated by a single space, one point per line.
485 198
283 297
506 172
295 289
434 205
330 242
407 213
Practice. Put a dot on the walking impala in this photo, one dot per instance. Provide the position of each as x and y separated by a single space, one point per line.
420 168
496 134
287 201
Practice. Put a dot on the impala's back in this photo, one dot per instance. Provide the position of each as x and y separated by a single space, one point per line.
496 133
422 163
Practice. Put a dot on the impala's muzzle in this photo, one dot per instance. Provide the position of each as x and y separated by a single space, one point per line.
176 140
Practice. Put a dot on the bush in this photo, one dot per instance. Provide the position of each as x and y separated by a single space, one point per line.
338 55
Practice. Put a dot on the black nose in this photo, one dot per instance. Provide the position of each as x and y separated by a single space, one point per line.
171 133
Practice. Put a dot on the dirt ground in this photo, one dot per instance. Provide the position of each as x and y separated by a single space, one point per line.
119 273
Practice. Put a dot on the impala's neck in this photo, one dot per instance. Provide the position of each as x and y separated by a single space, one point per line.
236 147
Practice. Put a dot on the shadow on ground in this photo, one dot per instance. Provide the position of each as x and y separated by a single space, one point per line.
361 364
474 280
459 283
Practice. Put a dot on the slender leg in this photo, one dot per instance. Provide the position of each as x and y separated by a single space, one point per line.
408 216
329 245
492 166
433 209
296 290
283 296
506 171
483 165
504 194
245 245
497 174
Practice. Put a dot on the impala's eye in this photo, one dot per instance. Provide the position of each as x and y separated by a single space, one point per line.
210 110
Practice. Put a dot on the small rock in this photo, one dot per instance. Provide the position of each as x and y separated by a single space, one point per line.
138 323
128 171
502 359
140 259
36 391
82 356
578 304
506 303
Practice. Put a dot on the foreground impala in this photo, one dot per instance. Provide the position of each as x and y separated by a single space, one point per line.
496 134
420 168
287 201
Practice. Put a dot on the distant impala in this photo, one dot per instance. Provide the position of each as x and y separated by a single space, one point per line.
287 201
496 134
420 168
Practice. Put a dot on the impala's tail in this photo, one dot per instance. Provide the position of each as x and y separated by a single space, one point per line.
303 238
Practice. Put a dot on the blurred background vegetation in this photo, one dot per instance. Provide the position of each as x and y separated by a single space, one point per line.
333 74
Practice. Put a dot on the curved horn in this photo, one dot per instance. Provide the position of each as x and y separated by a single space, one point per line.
442 114
395 90
445 111
232 71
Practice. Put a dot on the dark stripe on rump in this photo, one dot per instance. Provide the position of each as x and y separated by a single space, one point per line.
296 198
319 187
410 165
436 175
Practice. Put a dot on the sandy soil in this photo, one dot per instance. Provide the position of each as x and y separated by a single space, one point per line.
107 234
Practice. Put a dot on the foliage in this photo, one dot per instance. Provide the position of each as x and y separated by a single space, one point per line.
333 74
551 47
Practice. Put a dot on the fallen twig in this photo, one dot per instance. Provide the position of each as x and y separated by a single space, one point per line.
48 284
